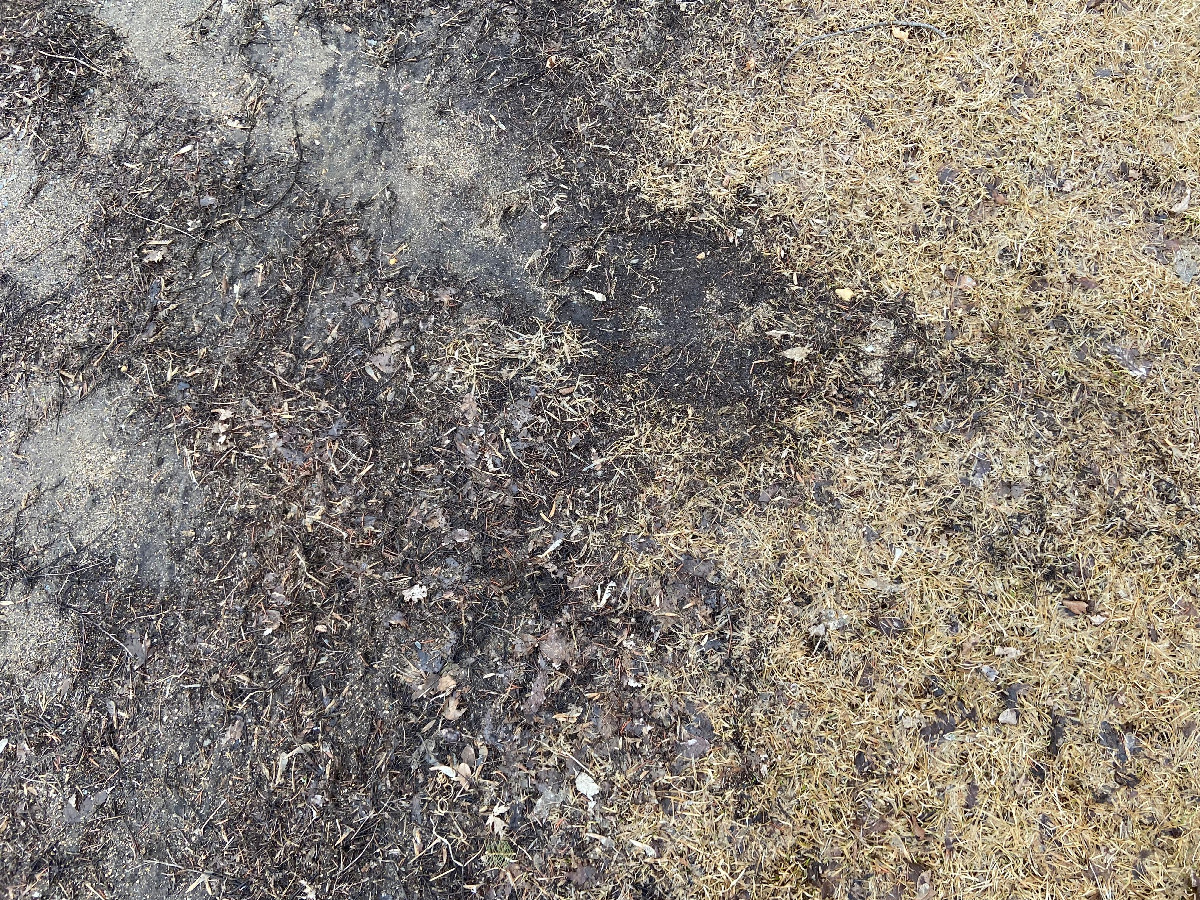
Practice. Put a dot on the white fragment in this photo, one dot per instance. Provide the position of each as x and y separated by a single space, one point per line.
416 593
586 785
645 848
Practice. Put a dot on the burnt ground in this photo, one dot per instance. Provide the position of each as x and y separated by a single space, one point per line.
327 334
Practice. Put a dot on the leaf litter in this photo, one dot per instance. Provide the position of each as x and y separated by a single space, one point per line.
781 693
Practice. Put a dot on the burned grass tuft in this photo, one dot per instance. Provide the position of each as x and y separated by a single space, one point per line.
54 56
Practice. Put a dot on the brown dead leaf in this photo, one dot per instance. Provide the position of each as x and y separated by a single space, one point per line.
917 829
451 773
452 711
797 354
469 408
1075 607
555 649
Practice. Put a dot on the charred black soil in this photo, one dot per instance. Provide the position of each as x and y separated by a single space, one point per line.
392 576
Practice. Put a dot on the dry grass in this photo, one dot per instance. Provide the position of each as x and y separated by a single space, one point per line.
865 623
1020 535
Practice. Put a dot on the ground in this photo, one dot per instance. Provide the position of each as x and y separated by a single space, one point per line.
614 449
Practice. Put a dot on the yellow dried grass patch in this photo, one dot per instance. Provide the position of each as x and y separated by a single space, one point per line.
1036 142
1026 183
869 620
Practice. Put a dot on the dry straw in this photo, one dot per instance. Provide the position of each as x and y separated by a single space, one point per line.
970 607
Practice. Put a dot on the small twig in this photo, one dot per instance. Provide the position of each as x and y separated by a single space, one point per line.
101 628
885 24
199 20
295 173
195 237
74 59
570 757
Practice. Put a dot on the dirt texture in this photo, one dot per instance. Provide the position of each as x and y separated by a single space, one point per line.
421 478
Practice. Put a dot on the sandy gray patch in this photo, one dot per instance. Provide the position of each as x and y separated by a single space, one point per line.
455 198
41 215
89 488
159 35
435 187
38 646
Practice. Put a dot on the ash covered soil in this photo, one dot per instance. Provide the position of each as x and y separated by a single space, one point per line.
337 365
326 334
